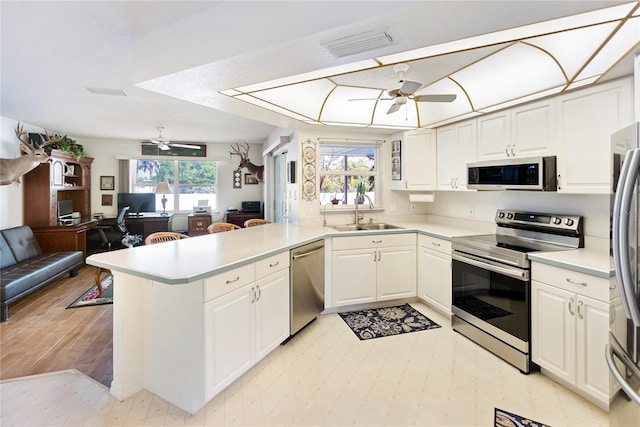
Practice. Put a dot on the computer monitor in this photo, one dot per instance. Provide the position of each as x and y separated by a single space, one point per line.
138 202
65 208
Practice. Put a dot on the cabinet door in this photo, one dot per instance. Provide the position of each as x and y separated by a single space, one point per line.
446 152
353 276
466 152
494 136
553 330
592 337
229 338
420 160
585 121
396 272
272 312
434 278
533 131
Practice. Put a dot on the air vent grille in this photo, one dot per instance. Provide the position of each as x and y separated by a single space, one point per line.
358 43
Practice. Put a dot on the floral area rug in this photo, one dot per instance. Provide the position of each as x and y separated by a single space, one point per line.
387 321
507 419
90 297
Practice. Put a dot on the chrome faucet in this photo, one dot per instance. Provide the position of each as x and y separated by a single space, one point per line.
356 203
324 213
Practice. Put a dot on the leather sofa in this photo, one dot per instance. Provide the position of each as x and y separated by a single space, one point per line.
24 268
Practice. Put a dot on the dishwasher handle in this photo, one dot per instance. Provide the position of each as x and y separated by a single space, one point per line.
306 254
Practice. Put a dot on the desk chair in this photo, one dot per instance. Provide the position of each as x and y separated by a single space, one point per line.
163 236
219 227
256 221
108 236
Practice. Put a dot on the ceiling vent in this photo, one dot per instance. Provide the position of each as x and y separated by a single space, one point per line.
358 43
105 91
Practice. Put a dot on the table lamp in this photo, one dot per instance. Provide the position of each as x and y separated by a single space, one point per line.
163 188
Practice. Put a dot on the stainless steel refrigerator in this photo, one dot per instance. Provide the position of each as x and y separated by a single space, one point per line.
623 351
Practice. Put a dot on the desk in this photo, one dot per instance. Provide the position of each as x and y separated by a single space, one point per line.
60 238
143 225
238 218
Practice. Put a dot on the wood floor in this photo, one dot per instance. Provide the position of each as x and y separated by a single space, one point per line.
41 335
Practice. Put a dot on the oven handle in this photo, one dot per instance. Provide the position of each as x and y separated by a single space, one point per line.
488 265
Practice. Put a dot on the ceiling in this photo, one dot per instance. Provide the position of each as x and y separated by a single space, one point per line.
51 52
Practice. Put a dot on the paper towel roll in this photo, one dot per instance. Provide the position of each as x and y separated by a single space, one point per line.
422 197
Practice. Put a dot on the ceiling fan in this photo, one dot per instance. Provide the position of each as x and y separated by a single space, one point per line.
407 91
165 144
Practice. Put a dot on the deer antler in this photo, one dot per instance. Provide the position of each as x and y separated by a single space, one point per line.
243 152
23 137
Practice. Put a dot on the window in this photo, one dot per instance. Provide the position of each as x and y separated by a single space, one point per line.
189 181
345 167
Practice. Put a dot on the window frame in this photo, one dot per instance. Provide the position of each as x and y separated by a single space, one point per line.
376 172
175 184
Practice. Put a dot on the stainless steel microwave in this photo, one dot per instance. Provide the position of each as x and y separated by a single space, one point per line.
531 173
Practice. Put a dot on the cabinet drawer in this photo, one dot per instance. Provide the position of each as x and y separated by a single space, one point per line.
272 264
228 281
572 281
374 240
434 243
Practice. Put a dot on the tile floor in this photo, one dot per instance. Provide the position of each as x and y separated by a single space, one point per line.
325 376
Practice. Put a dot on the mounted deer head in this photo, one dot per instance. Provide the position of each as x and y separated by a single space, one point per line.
12 169
243 152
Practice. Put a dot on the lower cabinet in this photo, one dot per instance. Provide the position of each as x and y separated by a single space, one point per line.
434 272
246 324
570 327
373 268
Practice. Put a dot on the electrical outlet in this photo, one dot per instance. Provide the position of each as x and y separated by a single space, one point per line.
471 211
412 207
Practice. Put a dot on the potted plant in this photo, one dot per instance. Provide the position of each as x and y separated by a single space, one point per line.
360 189
69 145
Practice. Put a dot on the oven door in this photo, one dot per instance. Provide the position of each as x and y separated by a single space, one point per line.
492 296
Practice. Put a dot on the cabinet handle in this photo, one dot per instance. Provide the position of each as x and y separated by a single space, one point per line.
570 304
576 283
274 265
376 241
559 182
580 304
234 280
375 256
512 152
451 183
455 182
379 255
435 244
259 293
506 150
253 291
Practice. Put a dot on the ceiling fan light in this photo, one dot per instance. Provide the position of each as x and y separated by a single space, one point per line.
358 43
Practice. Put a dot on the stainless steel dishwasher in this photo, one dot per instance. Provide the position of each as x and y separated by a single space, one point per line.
307 284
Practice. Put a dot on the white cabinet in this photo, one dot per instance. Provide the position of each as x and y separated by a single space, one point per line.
525 131
585 121
570 328
434 272
373 268
418 154
246 316
457 145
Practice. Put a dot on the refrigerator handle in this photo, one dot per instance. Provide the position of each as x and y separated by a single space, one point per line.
621 216
614 348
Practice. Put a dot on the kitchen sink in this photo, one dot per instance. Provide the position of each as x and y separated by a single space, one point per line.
365 227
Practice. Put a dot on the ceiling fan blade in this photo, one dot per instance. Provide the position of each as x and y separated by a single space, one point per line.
435 98
194 147
393 108
163 146
409 87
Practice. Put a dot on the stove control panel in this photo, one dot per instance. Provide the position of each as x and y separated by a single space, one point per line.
557 222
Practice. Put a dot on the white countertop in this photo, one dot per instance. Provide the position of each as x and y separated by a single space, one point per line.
198 257
589 261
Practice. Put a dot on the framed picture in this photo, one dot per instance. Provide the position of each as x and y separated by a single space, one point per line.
250 179
396 161
107 183
107 200
237 176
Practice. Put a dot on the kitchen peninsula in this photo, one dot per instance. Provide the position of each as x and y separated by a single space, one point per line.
162 328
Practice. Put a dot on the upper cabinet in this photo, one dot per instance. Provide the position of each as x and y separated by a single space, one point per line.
457 145
586 120
525 131
418 154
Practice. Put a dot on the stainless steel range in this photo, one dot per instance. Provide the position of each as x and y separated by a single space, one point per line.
491 286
